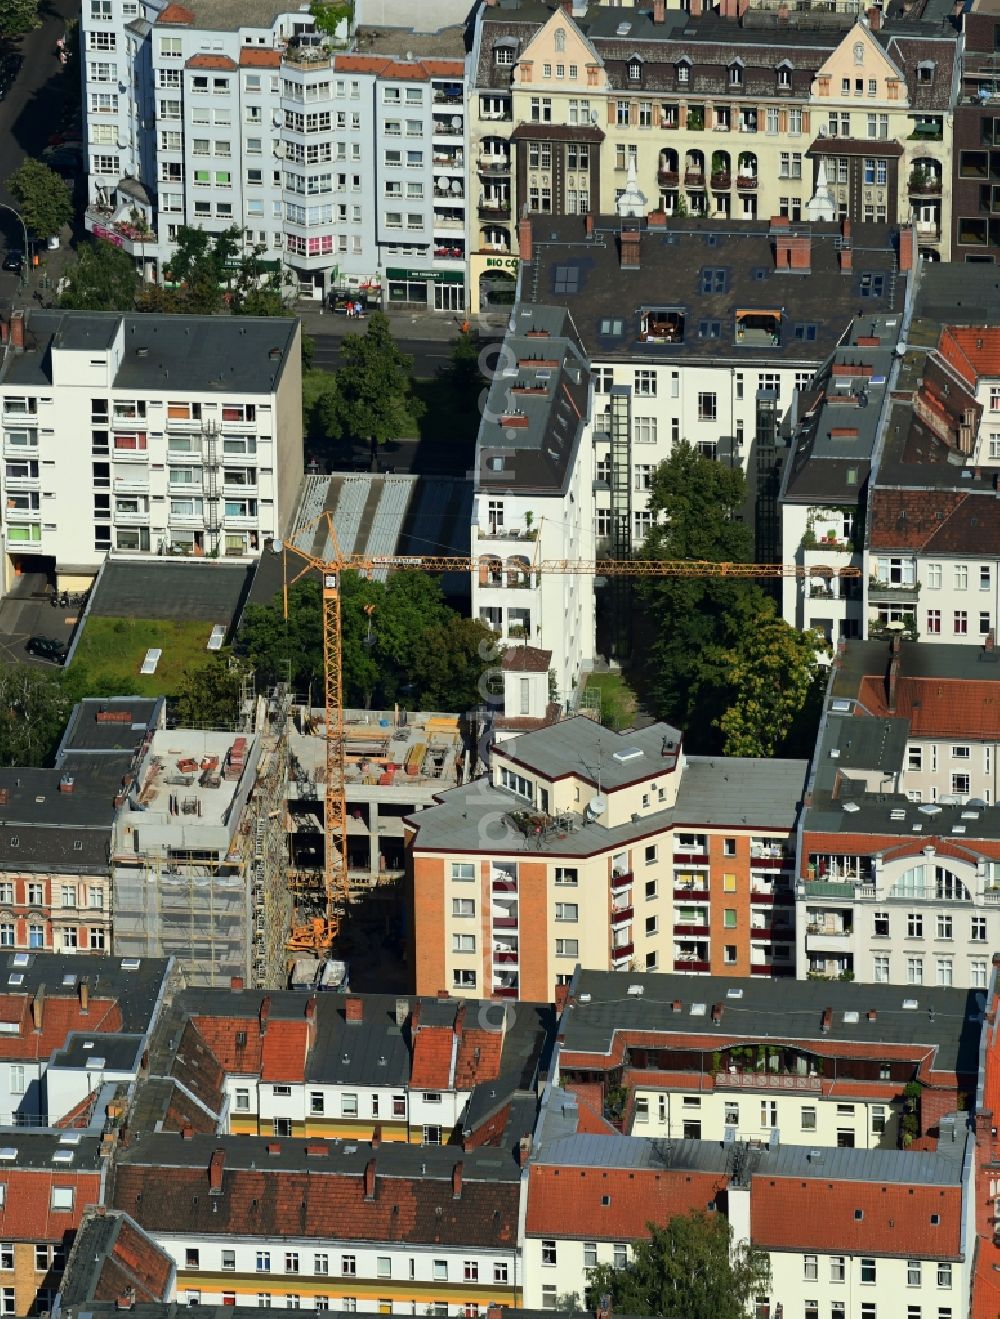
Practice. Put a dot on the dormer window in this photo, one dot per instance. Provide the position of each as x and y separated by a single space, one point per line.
736 75
925 71
684 71
784 75
634 70
503 55
859 52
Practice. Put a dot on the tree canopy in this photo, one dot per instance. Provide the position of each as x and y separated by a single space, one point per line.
208 695
400 642
375 384
686 1270
104 278
34 708
18 16
44 199
717 660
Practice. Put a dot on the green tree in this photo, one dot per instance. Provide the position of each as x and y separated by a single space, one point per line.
208 695
376 384
34 708
256 291
448 662
329 16
278 648
44 199
104 278
688 1269
688 623
202 265
772 673
18 16
322 411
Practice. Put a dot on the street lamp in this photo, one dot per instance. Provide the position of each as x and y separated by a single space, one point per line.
27 255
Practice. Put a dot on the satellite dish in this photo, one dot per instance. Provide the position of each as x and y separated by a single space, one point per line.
276 546
597 806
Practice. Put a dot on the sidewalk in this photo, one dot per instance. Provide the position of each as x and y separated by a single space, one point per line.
441 327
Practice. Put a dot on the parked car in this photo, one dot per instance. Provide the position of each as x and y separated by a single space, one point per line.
47 648
13 260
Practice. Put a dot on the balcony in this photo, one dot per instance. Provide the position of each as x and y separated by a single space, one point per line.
668 178
690 893
819 940
772 970
772 933
505 922
735 1080
746 182
924 184
623 952
495 208
23 483
130 455
494 165
773 860
691 966
183 423
722 182
690 858
445 128
505 886
694 178
883 590
16 416
505 958
185 519
504 993
696 930
621 880
17 515
139 519
767 897
133 485
621 915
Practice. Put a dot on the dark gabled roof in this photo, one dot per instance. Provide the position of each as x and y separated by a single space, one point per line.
308 1188
112 1255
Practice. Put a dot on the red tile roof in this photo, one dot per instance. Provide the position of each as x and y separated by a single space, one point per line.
60 1016
479 1054
175 13
284 1050
430 1068
222 1035
907 519
937 707
972 350
25 1214
260 59
526 659
401 70
789 1213
569 1202
134 1260
79 1114
211 62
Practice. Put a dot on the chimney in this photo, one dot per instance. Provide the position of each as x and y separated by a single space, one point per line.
659 10
236 983
990 641
215 1165
402 1012
84 996
588 224
907 245
65 782
376 1135
677 1005
494 1312
125 1299
354 1010
874 18
523 1151
717 1012
845 229
310 1008
265 1012
630 249
896 643
37 1008
187 1133
524 247
890 684
456 1181
17 330
793 252
826 1020
370 1180
603 1308
872 1015
846 255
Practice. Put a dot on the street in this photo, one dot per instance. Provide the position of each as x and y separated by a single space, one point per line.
428 356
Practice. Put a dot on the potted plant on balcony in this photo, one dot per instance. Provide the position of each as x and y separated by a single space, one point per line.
696 118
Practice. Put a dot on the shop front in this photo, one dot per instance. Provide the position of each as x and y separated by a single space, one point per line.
437 290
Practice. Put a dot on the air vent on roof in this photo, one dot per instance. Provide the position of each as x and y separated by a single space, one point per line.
835 753
698 1009
635 991
851 807
918 829
929 808
734 992
623 29
584 998
897 814
131 963
62 1156
627 754
850 1017
69 981
910 1004
970 815
96 1063
8 1153
15 979
841 706
958 828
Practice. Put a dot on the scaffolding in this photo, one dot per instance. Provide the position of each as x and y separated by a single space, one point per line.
211 892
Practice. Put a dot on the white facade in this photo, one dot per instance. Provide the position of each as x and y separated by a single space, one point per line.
158 467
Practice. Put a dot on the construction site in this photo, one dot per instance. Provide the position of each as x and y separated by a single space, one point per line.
199 851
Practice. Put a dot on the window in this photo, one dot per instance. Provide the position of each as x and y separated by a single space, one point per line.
914 925
977 974
914 970
729 918
960 785
567 911
463 943
6 1255
913 1273
944 1275
463 907
7 1300
291 1261
500 1272
868 1271
837 1268
810 1268
706 406
808 1117
243 1100
263 1261
645 383
348 1266
549 1253
881 968
978 932
944 926
567 948
566 875
61 1198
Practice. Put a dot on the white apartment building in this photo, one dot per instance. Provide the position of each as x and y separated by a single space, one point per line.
899 858
156 434
259 123
532 492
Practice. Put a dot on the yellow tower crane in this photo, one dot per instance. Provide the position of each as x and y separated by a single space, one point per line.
320 933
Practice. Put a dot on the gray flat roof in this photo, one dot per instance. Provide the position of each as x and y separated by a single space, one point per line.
203 354
121 1053
946 1020
169 588
136 989
36 1150
581 746
91 730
